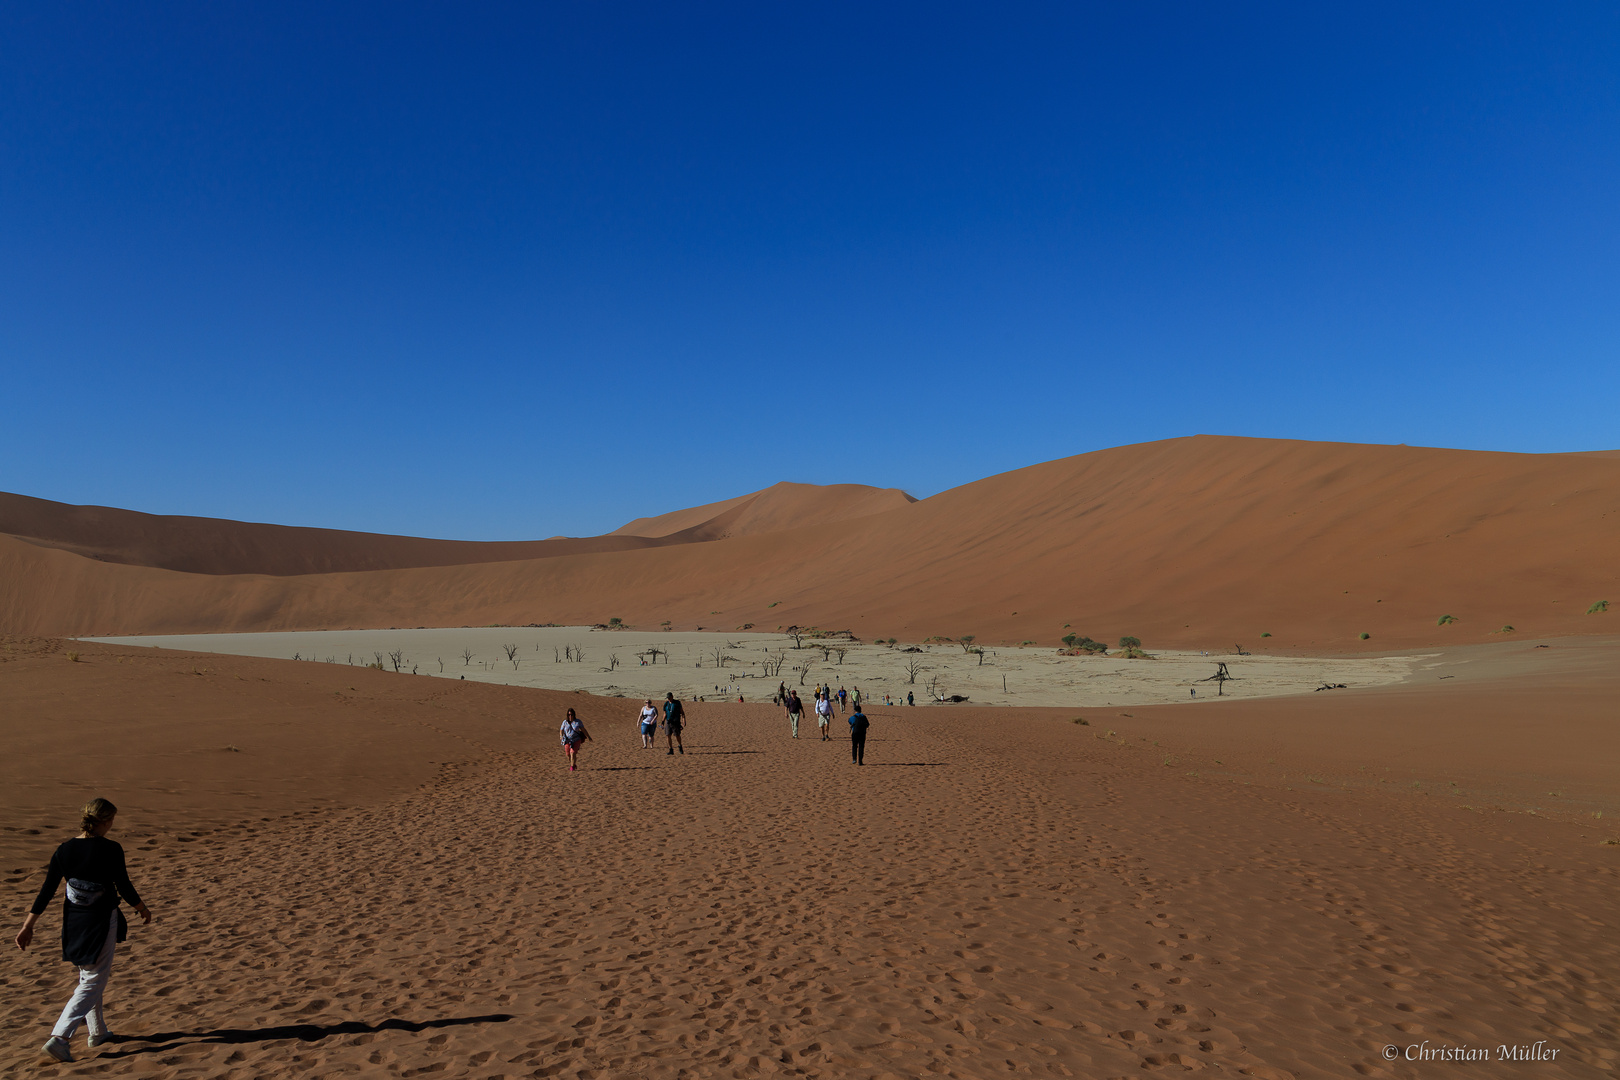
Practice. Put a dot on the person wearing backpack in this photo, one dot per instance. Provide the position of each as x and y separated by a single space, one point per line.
674 723
858 725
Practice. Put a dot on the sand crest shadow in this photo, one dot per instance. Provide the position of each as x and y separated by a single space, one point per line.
170 1040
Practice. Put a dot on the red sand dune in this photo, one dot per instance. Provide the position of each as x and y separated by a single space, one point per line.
196 545
1197 542
776 509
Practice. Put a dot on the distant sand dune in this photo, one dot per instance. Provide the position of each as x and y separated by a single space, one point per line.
779 507
1188 543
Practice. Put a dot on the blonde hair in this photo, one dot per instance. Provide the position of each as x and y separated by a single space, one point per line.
96 812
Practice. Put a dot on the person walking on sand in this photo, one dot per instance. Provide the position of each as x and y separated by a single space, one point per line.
781 694
674 724
92 924
858 724
794 709
649 724
824 710
574 736
843 700
857 698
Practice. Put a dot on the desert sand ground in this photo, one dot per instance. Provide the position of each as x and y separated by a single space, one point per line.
361 873
726 666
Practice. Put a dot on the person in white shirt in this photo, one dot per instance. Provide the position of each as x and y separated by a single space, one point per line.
824 711
649 724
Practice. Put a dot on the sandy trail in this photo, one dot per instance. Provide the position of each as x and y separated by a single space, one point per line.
994 892
726 666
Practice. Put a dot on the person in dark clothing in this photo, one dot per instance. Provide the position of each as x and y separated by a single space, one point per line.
858 723
674 723
92 924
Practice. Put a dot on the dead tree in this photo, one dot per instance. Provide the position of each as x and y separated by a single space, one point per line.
980 653
933 689
914 667
613 661
797 635
397 657
466 657
1240 650
1220 679
579 653
804 670
840 653
773 664
511 654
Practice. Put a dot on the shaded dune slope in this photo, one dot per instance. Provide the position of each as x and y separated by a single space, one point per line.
196 545
1195 542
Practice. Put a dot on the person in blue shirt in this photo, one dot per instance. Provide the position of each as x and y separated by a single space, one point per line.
674 723
858 723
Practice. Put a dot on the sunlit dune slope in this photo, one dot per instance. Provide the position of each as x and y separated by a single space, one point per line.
1198 542
779 507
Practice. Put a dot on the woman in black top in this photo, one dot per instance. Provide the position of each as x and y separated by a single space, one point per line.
93 867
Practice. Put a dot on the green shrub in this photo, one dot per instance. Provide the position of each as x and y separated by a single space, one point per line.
1599 606
1130 642
1445 620
1265 635
1365 635
1070 639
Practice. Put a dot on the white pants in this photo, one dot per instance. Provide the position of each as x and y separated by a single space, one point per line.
85 1004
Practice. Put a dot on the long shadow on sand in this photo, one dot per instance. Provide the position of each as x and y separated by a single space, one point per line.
718 753
905 765
171 1040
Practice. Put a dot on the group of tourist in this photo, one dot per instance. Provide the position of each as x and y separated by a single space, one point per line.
574 734
93 868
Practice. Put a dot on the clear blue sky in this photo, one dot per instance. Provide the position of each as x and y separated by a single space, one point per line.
496 272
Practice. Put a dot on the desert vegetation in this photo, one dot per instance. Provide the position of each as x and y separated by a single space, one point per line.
1079 645
1131 648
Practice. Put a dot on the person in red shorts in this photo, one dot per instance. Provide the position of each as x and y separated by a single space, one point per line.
574 736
